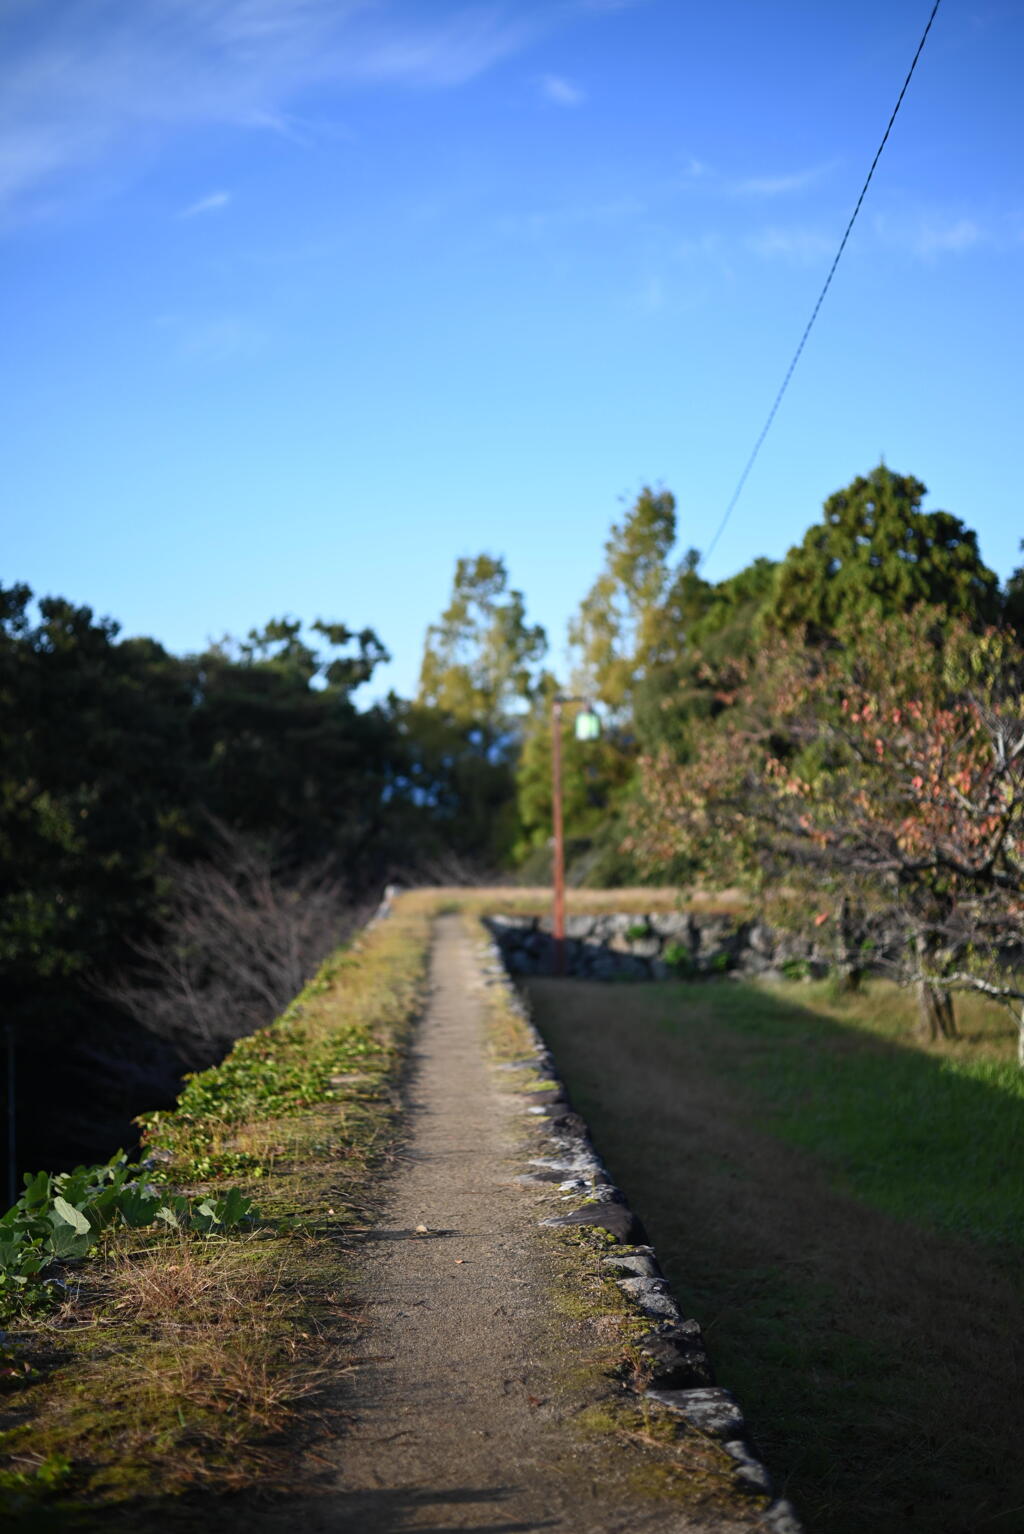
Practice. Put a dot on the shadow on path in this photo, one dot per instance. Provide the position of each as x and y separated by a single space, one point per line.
387 1511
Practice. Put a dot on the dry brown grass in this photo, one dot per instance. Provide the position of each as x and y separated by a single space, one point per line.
186 1283
527 899
246 1379
192 1361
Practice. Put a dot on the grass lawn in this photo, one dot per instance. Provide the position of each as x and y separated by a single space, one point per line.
843 1211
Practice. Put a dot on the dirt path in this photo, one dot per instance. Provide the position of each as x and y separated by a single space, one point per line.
458 1412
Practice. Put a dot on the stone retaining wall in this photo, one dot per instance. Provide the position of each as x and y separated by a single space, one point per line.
656 946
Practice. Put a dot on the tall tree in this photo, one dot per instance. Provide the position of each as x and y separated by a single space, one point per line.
876 551
463 732
1013 601
714 629
114 756
278 745
480 658
624 622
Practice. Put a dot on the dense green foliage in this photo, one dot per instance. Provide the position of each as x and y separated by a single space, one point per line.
862 760
122 763
117 754
479 667
671 655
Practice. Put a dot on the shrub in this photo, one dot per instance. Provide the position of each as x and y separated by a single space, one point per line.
680 959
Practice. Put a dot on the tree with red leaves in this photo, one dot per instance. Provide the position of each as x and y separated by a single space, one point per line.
885 768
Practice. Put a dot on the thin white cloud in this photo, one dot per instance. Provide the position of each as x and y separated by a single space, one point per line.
929 235
561 91
446 52
926 237
798 244
782 185
213 340
961 235
213 203
101 83
539 223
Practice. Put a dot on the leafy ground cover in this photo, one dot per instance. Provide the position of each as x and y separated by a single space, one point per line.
182 1350
60 1217
842 1210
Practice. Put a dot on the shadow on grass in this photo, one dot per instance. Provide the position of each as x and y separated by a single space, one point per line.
930 1138
844 1215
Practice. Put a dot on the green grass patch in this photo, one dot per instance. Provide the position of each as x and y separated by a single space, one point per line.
840 1208
930 1136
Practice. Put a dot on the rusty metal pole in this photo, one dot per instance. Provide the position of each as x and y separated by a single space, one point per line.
558 870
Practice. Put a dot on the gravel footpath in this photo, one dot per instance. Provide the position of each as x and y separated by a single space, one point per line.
459 1412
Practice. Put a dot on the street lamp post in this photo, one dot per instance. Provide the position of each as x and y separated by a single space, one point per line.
588 727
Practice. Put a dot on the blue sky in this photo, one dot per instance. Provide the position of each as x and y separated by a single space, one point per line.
304 299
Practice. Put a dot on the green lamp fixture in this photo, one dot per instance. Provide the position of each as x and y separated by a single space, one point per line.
588 725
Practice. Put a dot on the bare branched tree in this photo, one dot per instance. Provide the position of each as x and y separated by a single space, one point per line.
241 937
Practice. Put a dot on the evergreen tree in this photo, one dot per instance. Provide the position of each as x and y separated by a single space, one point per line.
876 551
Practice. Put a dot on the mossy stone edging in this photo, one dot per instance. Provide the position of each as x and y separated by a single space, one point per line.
676 1376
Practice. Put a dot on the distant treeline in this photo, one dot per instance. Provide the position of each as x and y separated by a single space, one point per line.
160 812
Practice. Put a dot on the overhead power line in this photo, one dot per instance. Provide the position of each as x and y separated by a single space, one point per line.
821 297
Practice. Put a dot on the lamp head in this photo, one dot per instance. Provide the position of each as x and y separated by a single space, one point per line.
588 725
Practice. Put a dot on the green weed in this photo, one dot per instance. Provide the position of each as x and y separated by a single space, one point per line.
60 1217
680 960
